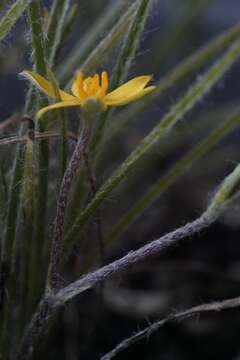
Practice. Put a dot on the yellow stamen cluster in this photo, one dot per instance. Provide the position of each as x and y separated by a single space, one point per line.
91 86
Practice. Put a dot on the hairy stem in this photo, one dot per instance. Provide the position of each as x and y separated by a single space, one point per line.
93 185
195 93
172 175
215 306
57 241
226 193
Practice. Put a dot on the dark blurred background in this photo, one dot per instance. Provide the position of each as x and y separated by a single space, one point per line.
202 269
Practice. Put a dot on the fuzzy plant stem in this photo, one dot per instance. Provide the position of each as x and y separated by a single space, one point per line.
227 192
39 322
58 31
33 102
63 132
186 103
134 257
58 9
57 241
12 15
93 185
182 165
26 255
215 306
7 245
13 210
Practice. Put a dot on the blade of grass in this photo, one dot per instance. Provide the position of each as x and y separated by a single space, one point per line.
42 150
193 95
56 13
34 18
70 20
56 37
124 61
35 23
63 132
173 77
99 49
179 168
29 256
12 15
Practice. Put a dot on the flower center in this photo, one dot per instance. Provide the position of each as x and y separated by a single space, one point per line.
91 86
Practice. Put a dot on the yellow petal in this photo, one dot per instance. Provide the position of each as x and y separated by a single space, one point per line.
58 105
77 86
126 100
44 85
130 88
104 81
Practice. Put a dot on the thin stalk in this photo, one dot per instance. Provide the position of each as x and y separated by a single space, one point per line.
70 20
38 54
28 254
93 186
37 136
124 61
42 151
7 245
227 192
178 169
215 306
173 77
56 42
91 43
12 15
63 132
193 95
57 11
57 241
35 23
47 309
96 56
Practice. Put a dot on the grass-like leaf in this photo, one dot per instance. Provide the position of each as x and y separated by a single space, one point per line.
195 93
124 61
173 77
82 57
57 20
180 167
11 17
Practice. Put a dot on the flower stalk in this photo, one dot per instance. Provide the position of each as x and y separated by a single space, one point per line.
53 280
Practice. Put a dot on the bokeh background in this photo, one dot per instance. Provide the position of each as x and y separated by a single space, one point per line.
202 269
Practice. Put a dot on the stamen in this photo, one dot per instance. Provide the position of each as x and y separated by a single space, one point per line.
82 93
87 85
104 81
96 82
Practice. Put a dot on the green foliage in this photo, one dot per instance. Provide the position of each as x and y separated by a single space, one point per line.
50 177
173 174
194 94
12 16
125 59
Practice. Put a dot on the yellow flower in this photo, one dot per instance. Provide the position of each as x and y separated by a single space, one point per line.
91 88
